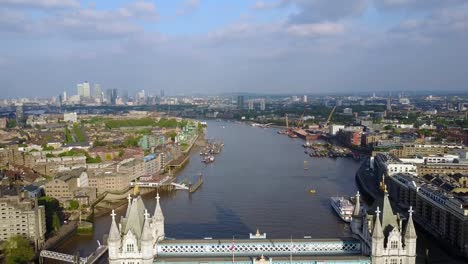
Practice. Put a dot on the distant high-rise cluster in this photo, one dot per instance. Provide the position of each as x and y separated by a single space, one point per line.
240 102
83 89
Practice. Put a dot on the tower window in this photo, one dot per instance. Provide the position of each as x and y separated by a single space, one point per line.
394 261
394 245
130 248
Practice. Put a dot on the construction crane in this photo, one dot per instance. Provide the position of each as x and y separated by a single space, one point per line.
329 117
300 122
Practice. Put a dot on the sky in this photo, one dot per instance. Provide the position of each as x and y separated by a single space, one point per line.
212 46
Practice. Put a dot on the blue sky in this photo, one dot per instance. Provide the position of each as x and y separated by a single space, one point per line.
209 46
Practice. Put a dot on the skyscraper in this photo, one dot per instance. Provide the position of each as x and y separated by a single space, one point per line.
262 104
86 89
250 104
79 89
240 102
83 89
111 96
97 91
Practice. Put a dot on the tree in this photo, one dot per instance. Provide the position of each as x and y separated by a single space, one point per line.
52 206
18 249
55 222
74 204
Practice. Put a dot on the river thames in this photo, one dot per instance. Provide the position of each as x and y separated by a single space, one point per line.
257 181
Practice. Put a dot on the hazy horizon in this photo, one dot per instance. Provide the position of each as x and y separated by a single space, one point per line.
216 47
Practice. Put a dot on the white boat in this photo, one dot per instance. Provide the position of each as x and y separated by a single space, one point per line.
343 207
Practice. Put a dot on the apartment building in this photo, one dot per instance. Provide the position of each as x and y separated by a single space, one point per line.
22 217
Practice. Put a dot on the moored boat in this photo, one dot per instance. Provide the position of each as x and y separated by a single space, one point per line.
343 207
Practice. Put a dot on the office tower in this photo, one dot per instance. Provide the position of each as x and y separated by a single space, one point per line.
79 90
389 104
97 91
250 104
86 90
305 98
240 102
111 96
262 104
162 93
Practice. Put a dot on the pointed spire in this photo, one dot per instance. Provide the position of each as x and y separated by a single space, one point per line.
146 232
129 198
357 206
410 230
377 232
114 234
158 215
389 218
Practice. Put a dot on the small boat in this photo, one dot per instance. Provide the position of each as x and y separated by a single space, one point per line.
343 207
312 191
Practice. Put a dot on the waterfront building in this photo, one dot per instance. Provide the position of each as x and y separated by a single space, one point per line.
64 185
333 129
388 165
140 238
440 206
412 150
22 217
108 180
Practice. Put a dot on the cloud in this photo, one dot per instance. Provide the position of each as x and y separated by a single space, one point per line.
312 11
264 5
415 4
13 21
41 4
305 30
188 7
82 23
450 21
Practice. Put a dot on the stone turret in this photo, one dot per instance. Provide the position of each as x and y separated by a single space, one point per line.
158 221
410 238
114 238
147 241
356 221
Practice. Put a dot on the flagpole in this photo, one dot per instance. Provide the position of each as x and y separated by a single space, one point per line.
290 252
233 247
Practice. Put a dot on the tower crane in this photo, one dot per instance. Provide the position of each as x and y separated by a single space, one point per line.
329 117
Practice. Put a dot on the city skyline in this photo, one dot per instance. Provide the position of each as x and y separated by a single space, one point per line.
196 46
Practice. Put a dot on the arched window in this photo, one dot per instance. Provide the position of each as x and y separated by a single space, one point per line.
130 248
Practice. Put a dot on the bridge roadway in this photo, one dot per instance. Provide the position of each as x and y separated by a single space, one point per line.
258 246
93 257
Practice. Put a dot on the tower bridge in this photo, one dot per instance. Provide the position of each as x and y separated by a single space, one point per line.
377 239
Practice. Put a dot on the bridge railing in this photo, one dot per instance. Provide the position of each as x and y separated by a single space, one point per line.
250 248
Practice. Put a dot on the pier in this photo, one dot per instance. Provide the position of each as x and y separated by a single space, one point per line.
197 185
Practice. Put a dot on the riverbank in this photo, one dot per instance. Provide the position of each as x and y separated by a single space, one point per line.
114 201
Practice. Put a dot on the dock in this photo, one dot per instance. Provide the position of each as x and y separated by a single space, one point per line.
195 187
